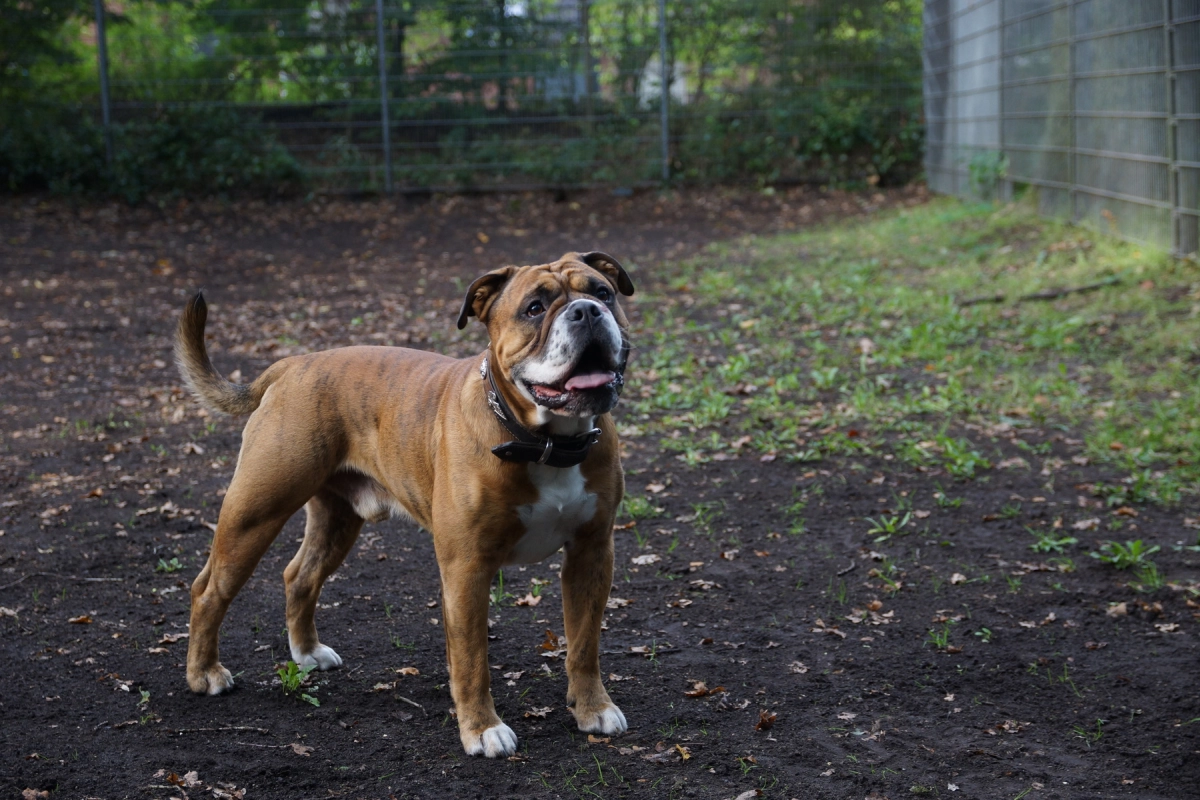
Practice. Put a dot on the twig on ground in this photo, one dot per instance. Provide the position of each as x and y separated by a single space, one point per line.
847 570
182 731
1054 294
56 575
413 703
987 298
1045 294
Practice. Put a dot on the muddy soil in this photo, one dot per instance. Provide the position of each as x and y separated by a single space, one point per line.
746 657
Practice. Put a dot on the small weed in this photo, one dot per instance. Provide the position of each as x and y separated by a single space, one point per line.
1047 542
498 596
944 501
1011 510
705 514
1014 584
960 459
1067 679
639 507
400 644
168 566
887 572
293 678
839 592
939 638
825 379
1123 556
1090 737
887 526
984 634
747 763
1148 577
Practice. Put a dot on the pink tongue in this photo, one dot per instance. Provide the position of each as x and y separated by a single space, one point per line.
592 381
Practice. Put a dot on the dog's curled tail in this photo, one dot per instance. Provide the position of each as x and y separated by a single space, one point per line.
211 389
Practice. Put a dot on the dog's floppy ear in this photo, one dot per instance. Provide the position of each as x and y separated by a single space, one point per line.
482 292
610 267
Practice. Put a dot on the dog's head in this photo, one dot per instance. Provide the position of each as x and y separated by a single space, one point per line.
558 332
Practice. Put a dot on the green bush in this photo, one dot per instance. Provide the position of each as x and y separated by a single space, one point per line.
175 151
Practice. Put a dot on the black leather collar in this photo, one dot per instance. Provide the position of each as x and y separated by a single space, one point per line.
553 451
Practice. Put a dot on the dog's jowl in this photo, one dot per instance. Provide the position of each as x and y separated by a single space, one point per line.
505 457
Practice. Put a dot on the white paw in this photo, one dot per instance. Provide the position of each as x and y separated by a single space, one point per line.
609 722
496 742
322 657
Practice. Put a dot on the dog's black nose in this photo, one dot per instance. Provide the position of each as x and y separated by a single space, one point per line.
583 312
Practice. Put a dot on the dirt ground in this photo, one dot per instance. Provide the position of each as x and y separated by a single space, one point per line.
820 676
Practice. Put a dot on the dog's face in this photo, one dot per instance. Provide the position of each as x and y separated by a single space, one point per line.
558 332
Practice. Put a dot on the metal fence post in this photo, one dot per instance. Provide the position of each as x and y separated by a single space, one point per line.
102 51
385 123
1072 178
665 86
1172 150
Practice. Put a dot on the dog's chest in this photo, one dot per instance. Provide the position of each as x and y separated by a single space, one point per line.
562 506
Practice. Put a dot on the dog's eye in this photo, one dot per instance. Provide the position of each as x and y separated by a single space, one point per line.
603 294
535 309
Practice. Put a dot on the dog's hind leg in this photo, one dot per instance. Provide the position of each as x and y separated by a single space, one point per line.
332 528
239 543
275 476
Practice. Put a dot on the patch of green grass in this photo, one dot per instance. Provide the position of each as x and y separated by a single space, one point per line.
636 506
960 458
869 338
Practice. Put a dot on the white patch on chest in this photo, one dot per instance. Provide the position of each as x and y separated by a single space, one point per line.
563 505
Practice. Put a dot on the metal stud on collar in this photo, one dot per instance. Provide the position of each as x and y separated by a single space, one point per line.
494 404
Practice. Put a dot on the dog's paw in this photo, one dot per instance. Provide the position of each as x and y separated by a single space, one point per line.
322 657
608 721
498 741
212 681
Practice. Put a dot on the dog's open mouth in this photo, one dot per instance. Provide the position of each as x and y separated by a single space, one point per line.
594 371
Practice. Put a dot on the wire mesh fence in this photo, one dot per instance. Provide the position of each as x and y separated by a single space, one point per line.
490 94
1096 103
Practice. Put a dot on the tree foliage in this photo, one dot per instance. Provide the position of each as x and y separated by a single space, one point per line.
762 90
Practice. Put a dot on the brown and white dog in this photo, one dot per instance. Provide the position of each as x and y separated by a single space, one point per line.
359 434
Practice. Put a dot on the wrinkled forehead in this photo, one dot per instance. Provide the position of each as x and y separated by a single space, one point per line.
564 275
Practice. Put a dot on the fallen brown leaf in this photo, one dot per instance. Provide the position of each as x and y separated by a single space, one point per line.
766 719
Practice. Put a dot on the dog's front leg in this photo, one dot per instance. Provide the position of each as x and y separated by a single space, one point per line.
465 585
586 579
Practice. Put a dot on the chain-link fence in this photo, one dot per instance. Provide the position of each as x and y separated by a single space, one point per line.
471 94
1096 103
